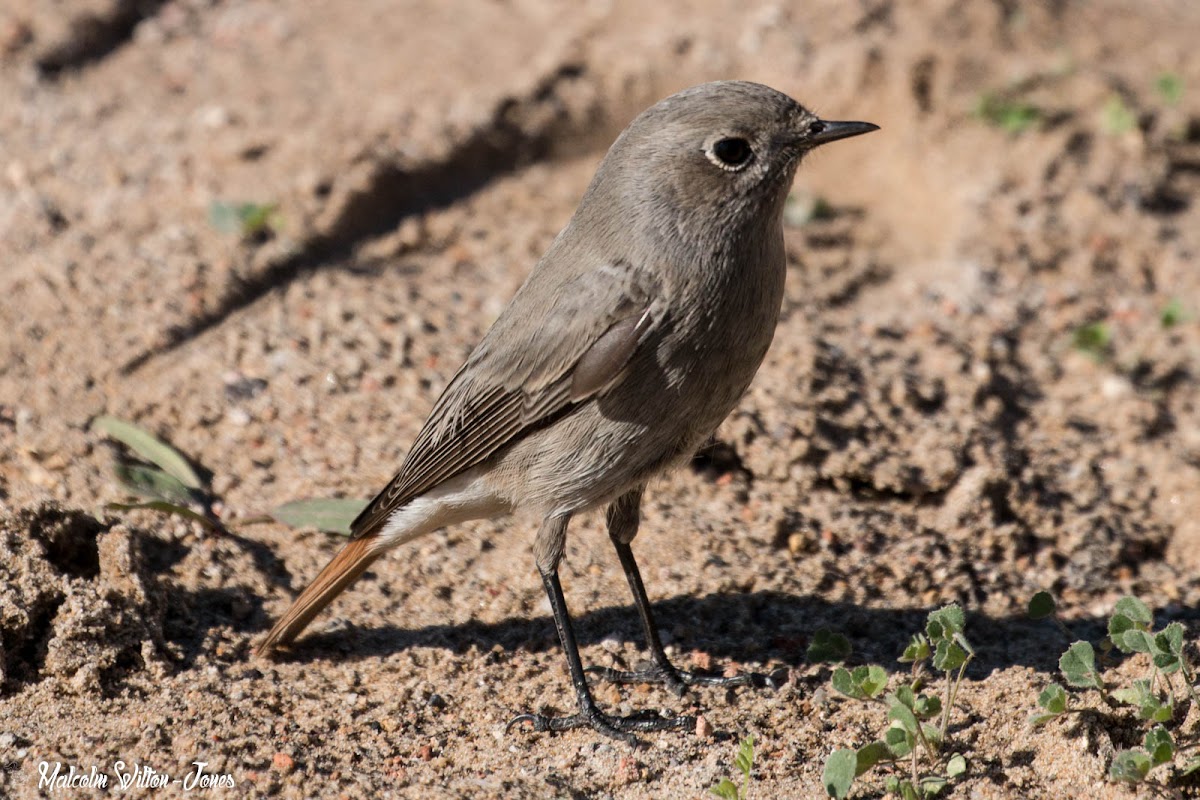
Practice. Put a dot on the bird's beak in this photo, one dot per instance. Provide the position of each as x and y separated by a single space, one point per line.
824 132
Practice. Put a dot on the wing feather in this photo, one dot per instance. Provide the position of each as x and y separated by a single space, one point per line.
593 326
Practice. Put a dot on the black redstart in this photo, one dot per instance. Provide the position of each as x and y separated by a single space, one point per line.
632 339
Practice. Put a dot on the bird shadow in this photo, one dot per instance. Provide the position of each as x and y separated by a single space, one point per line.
768 627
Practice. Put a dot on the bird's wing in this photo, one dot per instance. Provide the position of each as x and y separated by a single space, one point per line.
559 343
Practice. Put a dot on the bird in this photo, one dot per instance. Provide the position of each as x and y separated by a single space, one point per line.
631 340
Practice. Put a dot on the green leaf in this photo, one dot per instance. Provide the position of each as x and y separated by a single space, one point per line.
1078 666
948 656
1054 699
927 706
1172 314
840 770
908 792
843 681
957 765
800 209
726 789
871 754
917 649
1191 766
1159 745
933 734
149 447
945 622
1169 87
1129 766
744 760
1168 648
1009 114
1093 339
932 785
862 683
1136 610
874 682
899 740
1135 694
1134 640
827 647
146 481
1149 705
1170 639
164 507
1041 605
905 716
1119 118
332 515
1041 719
244 219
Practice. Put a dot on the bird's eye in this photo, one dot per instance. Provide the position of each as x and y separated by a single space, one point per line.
731 154
816 128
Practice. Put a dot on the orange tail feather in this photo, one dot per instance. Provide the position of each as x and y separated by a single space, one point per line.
339 573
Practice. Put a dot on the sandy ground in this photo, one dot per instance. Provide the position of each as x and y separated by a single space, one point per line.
923 430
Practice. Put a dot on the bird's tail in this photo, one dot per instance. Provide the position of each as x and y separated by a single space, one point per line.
340 572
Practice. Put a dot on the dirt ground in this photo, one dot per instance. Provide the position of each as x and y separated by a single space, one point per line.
926 429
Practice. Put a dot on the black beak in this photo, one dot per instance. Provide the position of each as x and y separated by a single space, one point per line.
823 132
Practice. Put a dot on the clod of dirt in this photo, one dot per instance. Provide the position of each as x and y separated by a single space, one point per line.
77 602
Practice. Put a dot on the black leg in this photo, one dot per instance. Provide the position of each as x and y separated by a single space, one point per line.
589 715
623 518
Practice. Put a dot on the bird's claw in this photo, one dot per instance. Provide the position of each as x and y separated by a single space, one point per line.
621 728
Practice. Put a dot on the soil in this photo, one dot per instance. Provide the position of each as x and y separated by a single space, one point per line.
929 426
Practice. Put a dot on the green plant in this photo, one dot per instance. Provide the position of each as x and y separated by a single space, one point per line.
1173 314
1170 676
167 481
827 646
1169 87
917 721
744 762
1118 117
801 209
1094 339
1009 113
248 220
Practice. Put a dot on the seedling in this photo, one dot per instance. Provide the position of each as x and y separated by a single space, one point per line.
1119 118
801 209
744 762
828 647
1173 314
1010 114
1093 339
248 220
917 721
1043 606
162 477
166 481
1132 766
1154 698
1169 87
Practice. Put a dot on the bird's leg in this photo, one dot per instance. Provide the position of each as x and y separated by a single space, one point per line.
548 550
623 517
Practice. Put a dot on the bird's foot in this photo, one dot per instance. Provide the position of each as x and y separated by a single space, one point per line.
621 728
675 680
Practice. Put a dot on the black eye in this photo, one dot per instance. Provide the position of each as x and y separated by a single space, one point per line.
816 128
731 153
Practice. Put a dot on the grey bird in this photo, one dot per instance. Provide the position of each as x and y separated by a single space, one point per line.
632 339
